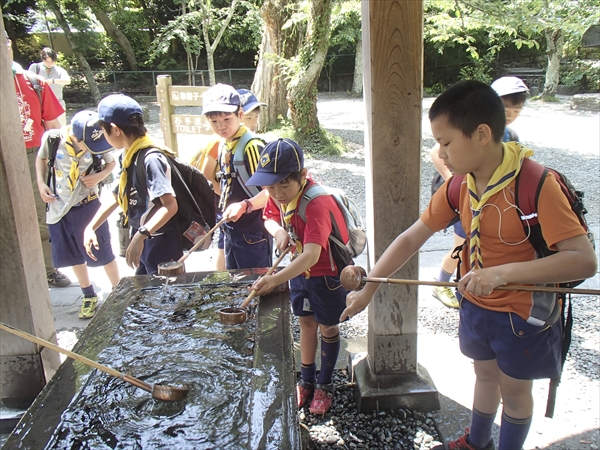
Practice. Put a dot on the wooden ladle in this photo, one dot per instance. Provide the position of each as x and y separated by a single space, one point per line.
158 391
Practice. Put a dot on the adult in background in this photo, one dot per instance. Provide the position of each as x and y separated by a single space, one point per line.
55 76
39 110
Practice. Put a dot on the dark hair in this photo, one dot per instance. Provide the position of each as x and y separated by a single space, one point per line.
468 104
212 114
294 176
47 52
516 99
137 129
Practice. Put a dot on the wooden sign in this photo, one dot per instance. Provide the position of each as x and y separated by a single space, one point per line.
186 95
190 124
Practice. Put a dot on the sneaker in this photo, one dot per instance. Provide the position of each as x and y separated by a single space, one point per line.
304 391
58 279
88 307
462 443
446 296
322 399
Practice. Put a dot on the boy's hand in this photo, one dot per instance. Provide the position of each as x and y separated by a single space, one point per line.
283 240
134 251
89 241
92 180
265 284
480 282
356 302
46 193
234 211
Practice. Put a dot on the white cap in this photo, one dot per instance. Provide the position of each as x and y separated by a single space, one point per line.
509 85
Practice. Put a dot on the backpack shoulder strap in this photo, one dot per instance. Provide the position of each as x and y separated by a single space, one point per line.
453 192
53 143
35 83
528 186
240 167
315 190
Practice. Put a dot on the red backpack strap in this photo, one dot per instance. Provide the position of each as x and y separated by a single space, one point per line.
528 186
453 192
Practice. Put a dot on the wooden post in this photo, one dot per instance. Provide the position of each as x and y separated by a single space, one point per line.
166 109
25 304
388 376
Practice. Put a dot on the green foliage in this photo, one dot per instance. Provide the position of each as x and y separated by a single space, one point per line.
319 142
584 73
346 27
479 70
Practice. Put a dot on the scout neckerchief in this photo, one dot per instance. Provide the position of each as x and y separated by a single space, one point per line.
226 162
136 146
507 171
75 154
287 212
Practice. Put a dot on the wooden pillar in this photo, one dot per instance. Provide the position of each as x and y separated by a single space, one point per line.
163 86
389 376
24 302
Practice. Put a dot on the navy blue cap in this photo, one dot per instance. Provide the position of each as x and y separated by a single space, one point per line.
117 109
277 161
249 100
85 126
220 98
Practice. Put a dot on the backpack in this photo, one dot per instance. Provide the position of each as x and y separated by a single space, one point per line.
53 142
240 171
195 198
342 252
527 193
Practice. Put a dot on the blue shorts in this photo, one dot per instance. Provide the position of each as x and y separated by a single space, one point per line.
323 297
163 248
522 351
246 249
458 230
66 237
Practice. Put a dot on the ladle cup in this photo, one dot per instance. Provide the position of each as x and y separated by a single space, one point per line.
158 391
235 316
354 278
175 268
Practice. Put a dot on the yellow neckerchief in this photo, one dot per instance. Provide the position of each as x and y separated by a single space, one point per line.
512 161
75 154
226 153
128 158
287 212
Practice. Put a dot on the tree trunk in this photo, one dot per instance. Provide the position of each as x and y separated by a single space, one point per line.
210 61
81 61
554 48
269 85
302 89
116 34
357 82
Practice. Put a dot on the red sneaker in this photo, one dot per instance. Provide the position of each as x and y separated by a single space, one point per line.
323 398
304 391
462 443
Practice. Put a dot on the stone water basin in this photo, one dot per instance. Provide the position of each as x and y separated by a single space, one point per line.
241 377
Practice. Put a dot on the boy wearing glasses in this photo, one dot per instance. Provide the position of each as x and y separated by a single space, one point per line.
80 161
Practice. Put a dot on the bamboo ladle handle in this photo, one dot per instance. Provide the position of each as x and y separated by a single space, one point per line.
269 272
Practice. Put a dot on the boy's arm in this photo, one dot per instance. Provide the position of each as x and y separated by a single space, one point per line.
89 235
574 260
394 257
237 210
41 167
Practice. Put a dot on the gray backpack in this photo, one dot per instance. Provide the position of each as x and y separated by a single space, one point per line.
342 252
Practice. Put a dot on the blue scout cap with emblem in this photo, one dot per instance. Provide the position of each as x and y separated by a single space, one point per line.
117 109
220 98
86 128
248 100
277 161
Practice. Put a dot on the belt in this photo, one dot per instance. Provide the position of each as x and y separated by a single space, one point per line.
86 200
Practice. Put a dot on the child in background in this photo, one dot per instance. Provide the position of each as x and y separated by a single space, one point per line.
316 294
246 241
83 160
206 160
149 205
513 92
497 329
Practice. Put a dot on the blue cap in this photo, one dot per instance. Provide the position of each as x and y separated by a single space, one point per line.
220 98
277 161
509 85
117 109
86 128
248 100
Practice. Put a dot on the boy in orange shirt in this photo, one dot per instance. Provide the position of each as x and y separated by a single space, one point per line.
497 328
